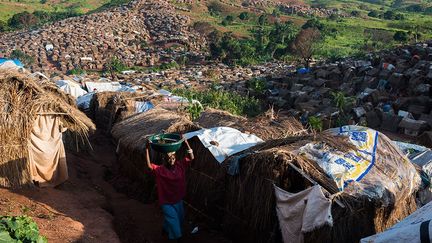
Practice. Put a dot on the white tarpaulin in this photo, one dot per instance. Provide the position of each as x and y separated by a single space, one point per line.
103 86
412 229
83 102
70 87
228 141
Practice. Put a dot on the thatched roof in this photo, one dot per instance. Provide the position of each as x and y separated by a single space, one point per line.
109 107
133 131
266 126
250 195
22 100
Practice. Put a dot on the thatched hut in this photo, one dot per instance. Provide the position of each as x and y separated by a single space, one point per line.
266 126
383 196
206 177
108 108
33 117
131 135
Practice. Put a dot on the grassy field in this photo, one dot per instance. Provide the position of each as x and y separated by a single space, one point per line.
11 7
353 34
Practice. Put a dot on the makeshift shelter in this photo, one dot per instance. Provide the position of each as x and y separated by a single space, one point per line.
131 135
414 228
265 126
10 64
222 135
70 87
368 190
32 118
107 108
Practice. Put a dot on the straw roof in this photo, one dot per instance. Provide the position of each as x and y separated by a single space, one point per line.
266 126
133 131
107 108
250 196
22 100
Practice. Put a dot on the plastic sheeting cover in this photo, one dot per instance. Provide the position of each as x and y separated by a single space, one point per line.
346 167
83 102
229 141
354 172
408 230
103 86
70 87
143 106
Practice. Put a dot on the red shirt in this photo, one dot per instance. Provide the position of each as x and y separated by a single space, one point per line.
171 183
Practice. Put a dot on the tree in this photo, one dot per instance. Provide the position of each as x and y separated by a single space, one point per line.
280 36
313 23
373 14
401 36
305 44
23 20
3 26
244 16
355 13
262 20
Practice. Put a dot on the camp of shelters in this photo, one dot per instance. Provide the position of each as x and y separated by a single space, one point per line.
261 179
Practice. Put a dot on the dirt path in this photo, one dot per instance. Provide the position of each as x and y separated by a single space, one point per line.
88 209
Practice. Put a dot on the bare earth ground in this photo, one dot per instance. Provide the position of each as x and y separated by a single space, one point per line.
86 208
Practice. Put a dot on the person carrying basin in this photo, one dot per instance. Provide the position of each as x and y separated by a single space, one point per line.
170 181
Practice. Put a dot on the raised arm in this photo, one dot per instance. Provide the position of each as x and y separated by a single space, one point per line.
149 164
189 150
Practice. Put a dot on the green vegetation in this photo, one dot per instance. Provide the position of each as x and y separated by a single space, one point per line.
266 44
76 71
370 26
115 65
315 123
24 58
343 103
28 13
258 85
225 100
20 229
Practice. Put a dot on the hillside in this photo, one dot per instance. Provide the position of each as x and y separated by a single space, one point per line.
9 8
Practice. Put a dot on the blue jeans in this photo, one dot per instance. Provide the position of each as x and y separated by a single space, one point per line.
174 215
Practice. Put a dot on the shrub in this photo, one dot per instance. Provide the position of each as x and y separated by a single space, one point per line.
225 100
258 85
315 123
19 229
24 58
244 16
22 20
373 14
115 65
401 36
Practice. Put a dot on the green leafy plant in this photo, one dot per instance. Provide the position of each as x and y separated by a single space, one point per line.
194 109
315 123
225 100
341 101
19 229
115 65
76 71
258 85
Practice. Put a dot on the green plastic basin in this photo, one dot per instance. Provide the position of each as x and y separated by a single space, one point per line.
171 142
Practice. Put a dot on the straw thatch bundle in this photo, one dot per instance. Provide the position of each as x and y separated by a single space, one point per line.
107 108
131 135
250 203
22 100
266 126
